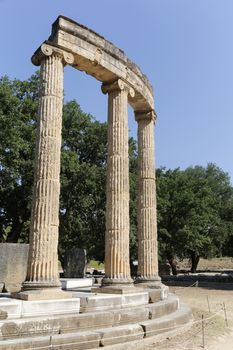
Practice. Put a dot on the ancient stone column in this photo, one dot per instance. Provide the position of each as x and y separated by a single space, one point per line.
147 222
117 268
42 271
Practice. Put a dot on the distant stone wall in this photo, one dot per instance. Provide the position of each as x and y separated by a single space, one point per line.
217 281
13 265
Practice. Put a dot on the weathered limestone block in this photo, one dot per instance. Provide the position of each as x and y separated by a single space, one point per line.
157 294
76 341
168 322
28 343
10 307
120 334
131 315
14 308
102 301
74 264
90 320
163 307
13 265
76 283
100 58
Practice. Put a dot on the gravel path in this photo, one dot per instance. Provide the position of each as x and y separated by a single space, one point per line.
210 304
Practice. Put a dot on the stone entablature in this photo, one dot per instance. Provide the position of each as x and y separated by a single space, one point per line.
101 59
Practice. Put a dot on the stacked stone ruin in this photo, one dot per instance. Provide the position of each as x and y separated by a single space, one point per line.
75 45
117 312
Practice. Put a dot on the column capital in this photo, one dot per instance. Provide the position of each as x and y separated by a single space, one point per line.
117 85
145 115
46 49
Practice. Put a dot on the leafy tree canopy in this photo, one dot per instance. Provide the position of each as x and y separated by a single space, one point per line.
83 170
195 206
18 110
195 212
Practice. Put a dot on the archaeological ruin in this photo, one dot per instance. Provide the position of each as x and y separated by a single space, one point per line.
119 311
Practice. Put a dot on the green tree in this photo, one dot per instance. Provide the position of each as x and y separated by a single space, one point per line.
18 109
84 152
82 168
83 171
83 183
194 212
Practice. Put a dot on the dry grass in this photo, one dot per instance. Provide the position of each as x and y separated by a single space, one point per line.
225 263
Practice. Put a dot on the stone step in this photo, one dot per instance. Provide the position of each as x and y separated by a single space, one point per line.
120 334
163 307
15 308
115 338
99 301
168 322
57 324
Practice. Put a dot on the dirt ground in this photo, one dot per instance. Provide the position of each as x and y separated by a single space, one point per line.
224 263
218 325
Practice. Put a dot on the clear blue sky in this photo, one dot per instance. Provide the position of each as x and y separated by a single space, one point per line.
185 47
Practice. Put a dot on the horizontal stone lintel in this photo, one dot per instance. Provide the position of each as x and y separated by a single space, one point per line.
99 58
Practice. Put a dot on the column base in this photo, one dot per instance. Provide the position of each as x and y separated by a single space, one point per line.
29 285
42 294
120 289
148 282
116 286
108 281
156 289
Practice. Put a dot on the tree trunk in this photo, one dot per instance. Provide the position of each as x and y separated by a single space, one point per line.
194 260
14 234
172 263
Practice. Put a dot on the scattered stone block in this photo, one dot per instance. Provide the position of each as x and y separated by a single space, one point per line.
75 283
13 265
74 264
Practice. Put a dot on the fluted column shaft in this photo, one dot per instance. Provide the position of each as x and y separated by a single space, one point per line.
43 259
147 221
117 268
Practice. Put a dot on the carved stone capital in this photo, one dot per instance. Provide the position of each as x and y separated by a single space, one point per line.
117 85
46 50
145 115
